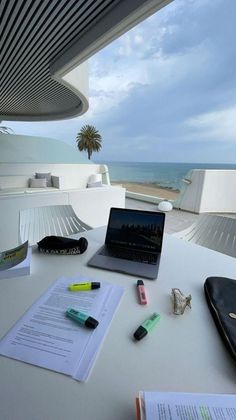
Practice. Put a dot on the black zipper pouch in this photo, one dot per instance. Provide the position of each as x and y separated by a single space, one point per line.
220 294
60 245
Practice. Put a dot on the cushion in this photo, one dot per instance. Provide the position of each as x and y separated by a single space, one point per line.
94 184
95 178
47 175
55 181
37 183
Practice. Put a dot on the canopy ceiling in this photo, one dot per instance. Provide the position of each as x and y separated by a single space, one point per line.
43 40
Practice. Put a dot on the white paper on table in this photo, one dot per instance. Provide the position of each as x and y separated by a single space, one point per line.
44 336
185 406
105 316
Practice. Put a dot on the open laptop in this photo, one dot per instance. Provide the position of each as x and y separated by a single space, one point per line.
133 243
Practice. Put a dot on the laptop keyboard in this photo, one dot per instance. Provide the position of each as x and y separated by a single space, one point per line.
130 255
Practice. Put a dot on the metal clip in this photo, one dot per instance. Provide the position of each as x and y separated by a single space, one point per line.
180 301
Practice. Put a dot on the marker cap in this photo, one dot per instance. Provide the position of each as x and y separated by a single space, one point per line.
140 283
91 322
140 333
95 285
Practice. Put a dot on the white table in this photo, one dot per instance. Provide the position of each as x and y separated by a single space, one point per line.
183 353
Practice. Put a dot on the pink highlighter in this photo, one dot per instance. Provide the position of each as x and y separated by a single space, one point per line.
141 292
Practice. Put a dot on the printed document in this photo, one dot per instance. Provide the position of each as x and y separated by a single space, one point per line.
186 406
45 337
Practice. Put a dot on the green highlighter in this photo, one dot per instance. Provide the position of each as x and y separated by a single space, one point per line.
146 326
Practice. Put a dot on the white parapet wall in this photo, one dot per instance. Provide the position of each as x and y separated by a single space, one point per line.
209 191
73 175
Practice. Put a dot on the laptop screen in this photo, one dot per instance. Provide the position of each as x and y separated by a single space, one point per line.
136 229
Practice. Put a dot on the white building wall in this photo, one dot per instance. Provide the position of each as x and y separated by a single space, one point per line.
219 192
210 191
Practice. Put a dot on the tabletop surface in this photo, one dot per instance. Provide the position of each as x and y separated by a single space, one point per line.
183 353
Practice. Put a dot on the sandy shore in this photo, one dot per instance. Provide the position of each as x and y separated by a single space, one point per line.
148 189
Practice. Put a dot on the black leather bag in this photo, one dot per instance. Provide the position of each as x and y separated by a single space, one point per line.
220 294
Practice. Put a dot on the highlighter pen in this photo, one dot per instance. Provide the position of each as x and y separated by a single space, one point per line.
81 287
83 319
141 292
146 326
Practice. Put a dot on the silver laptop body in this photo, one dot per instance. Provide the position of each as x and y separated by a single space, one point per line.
133 243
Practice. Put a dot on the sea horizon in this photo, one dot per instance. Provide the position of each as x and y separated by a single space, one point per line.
169 162
160 174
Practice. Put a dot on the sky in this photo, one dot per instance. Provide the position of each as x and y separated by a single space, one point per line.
163 92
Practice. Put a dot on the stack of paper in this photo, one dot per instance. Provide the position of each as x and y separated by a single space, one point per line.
15 262
45 337
185 406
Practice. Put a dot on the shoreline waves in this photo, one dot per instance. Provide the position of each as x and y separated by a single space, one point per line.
165 176
148 188
158 179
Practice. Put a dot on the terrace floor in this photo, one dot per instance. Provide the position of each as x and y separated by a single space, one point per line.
176 220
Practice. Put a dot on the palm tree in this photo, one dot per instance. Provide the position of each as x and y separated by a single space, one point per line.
89 139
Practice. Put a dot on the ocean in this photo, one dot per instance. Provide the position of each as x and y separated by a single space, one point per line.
165 175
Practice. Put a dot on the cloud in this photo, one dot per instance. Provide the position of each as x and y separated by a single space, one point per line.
187 67
182 51
218 125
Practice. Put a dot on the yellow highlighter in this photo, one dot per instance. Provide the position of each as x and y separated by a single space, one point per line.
83 287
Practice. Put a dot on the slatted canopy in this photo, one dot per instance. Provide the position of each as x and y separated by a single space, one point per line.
43 40
57 220
214 232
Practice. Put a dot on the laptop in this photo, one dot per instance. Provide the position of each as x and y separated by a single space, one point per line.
133 243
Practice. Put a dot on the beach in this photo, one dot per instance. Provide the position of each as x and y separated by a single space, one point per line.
148 189
162 179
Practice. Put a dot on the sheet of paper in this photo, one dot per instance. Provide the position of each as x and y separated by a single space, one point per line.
44 336
184 406
106 314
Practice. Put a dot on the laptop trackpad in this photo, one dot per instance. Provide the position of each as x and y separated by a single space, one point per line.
125 266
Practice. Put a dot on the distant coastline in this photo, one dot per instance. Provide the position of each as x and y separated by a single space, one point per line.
157 175
158 179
